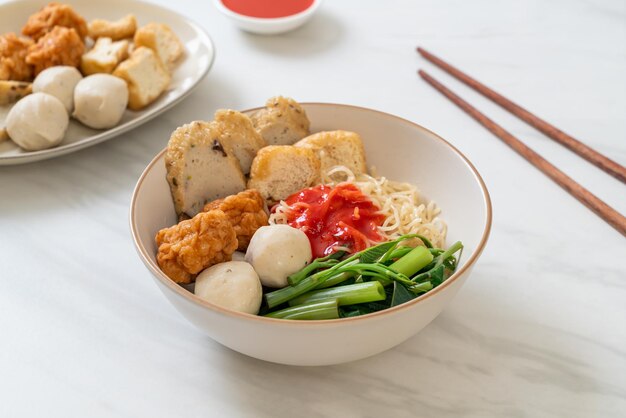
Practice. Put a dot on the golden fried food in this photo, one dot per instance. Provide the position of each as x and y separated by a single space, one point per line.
13 50
246 213
282 121
191 246
116 30
51 16
61 46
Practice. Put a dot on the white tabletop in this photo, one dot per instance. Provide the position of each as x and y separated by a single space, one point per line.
538 330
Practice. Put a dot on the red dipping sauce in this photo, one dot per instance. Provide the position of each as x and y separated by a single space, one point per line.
335 216
267 8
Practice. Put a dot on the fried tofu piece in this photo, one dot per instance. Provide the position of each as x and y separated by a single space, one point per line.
200 167
146 77
337 148
61 46
162 40
13 51
118 29
189 247
104 56
51 16
12 91
237 132
281 170
282 122
246 212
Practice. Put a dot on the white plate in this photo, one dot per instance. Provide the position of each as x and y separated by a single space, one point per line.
199 55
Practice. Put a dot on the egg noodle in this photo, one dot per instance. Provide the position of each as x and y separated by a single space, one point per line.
401 204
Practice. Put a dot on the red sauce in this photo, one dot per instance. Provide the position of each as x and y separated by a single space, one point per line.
267 8
335 216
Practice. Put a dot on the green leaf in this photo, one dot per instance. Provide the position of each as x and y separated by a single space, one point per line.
372 307
373 254
437 275
401 294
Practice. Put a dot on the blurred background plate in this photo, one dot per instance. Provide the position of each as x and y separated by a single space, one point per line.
193 67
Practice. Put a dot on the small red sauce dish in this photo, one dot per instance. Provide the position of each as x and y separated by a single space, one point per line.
268 16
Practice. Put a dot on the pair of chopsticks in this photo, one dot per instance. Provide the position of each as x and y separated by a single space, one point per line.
604 211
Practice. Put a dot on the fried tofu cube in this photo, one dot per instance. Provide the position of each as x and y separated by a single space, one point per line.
162 40
104 56
337 148
281 170
282 121
118 29
146 77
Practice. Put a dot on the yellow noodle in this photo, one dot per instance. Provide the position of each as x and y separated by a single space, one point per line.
401 203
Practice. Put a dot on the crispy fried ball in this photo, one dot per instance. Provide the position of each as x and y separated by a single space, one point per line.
52 15
191 246
13 50
246 212
61 46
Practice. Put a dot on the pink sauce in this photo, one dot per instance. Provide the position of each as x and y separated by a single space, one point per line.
267 8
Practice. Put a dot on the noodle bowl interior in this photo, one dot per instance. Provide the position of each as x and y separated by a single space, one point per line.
316 236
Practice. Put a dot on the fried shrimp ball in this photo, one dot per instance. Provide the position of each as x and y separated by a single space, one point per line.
13 50
246 213
52 15
191 246
61 46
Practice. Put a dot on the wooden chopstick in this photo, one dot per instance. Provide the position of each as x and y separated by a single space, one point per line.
610 215
602 162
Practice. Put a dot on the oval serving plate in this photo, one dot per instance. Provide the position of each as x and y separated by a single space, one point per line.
193 67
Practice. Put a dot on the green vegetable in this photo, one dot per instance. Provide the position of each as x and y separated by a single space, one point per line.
345 295
401 294
336 279
414 271
400 252
414 261
281 296
318 263
325 309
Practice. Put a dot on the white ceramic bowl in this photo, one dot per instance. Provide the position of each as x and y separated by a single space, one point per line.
268 26
400 150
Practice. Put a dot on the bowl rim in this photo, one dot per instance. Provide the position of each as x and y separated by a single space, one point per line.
266 21
203 304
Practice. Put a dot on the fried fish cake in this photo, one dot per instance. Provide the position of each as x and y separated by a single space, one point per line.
13 51
201 167
61 46
282 122
237 132
189 247
246 213
51 16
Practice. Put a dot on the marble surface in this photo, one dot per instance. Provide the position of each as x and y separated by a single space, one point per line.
539 329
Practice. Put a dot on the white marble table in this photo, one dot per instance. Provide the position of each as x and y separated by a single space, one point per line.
539 329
